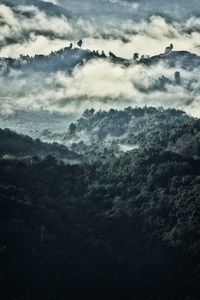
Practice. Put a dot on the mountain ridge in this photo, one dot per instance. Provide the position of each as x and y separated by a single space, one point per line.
68 58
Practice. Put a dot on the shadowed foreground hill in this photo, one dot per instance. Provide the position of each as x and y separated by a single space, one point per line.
126 227
21 146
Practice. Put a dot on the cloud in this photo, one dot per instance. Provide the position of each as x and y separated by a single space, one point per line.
102 85
17 25
27 30
107 82
34 45
133 6
55 2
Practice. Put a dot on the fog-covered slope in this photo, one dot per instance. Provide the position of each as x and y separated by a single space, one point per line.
104 134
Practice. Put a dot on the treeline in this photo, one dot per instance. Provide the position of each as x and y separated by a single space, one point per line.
66 59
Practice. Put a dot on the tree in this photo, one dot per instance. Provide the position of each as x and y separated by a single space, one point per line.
136 56
103 54
169 48
80 43
88 112
112 55
177 76
72 128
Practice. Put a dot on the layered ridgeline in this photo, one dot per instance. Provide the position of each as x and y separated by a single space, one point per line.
73 79
123 224
68 58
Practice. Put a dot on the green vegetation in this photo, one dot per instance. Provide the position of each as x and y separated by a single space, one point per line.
116 226
21 146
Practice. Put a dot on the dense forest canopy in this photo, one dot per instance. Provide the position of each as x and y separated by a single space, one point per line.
121 223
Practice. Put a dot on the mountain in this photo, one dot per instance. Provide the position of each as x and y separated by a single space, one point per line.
183 59
68 58
65 59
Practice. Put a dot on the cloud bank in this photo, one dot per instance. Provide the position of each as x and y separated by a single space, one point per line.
27 30
102 85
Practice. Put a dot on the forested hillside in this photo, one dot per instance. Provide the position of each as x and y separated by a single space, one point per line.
21 146
119 225
104 133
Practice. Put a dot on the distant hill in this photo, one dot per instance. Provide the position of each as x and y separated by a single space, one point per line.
184 59
68 58
21 146
65 59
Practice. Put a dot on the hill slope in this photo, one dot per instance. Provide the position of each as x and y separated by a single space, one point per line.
126 226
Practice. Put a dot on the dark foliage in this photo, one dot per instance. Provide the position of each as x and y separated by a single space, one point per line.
126 227
143 128
68 58
21 146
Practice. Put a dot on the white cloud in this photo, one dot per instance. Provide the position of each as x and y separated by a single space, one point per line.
40 33
51 1
99 84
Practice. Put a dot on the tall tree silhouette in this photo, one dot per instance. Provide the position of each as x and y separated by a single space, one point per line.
80 43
